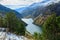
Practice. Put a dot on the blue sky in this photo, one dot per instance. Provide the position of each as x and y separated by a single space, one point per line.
13 4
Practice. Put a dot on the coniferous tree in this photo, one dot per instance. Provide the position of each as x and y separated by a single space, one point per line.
50 28
14 24
1 20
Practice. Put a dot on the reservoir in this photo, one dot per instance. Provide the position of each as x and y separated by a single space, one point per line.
31 27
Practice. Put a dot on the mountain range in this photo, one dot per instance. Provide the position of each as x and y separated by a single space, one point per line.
36 9
53 8
33 10
5 10
39 11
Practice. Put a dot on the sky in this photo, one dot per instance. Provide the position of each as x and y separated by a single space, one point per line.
18 2
13 4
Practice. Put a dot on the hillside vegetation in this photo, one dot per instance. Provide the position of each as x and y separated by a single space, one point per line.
12 23
50 29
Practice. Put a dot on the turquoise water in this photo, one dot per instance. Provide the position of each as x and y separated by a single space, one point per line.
31 27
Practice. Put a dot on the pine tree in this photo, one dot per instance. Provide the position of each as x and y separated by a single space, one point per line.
14 24
50 28
1 20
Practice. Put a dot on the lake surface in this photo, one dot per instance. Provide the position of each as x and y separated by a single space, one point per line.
31 27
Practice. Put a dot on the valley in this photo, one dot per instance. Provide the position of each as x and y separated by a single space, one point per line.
38 21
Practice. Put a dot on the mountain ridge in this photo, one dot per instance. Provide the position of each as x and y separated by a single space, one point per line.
51 9
4 10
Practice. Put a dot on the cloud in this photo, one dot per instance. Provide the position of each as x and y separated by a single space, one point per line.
21 2
18 2
13 4
55 1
